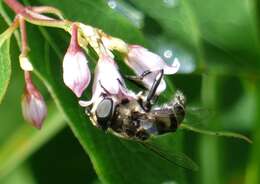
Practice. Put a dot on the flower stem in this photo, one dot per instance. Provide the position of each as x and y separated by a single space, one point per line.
27 78
48 9
21 10
24 49
29 86
17 7
74 45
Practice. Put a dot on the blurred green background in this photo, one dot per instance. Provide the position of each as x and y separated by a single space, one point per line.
217 43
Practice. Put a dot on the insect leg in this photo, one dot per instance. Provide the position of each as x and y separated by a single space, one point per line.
138 79
155 85
151 94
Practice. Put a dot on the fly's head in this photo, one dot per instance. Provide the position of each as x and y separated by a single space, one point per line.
104 112
101 111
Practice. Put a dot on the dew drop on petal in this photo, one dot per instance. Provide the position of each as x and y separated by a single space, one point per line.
130 12
167 54
172 52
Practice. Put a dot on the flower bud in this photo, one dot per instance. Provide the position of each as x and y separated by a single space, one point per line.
142 60
76 73
25 63
33 106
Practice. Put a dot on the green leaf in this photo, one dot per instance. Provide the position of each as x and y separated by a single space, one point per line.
8 20
98 14
252 170
211 36
5 66
223 35
178 21
22 174
5 63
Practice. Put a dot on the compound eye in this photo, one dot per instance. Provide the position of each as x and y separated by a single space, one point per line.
104 112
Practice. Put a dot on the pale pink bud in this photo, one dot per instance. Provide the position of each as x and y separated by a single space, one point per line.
33 106
76 73
140 60
108 81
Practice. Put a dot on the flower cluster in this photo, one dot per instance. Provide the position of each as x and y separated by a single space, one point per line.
108 80
76 74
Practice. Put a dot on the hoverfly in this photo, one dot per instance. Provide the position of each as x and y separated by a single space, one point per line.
138 119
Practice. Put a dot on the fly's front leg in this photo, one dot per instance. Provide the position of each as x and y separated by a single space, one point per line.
147 103
138 80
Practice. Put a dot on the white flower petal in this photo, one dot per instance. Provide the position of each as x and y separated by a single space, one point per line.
106 76
141 60
76 73
84 103
109 82
173 68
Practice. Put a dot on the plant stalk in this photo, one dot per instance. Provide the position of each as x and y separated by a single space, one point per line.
21 10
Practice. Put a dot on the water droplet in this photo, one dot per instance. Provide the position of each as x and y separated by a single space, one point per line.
170 3
170 51
167 54
134 15
112 4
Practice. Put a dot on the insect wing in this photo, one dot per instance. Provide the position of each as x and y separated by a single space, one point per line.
199 115
178 159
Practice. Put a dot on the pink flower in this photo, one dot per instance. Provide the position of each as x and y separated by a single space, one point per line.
140 60
33 106
76 73
108 81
